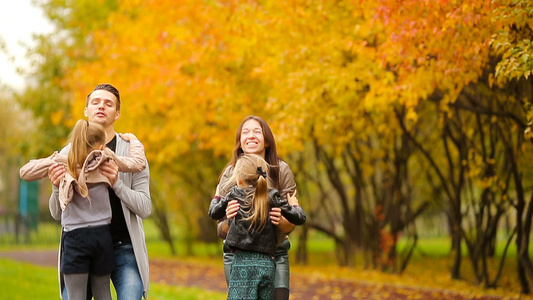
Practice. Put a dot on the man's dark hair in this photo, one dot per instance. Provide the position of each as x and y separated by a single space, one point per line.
106 87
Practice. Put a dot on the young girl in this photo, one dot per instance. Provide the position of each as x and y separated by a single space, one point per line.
251 236
77 179
254 136
87 248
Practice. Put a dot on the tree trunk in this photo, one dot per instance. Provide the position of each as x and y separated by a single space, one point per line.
159 214
456 242
301 252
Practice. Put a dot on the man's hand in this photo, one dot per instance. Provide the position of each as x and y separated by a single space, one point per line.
232 209
56 172
110 170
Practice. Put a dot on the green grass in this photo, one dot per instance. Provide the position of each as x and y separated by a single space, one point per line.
26 281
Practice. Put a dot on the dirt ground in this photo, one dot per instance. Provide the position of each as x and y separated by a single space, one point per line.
303 286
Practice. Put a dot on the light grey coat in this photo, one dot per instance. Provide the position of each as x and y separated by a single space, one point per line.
133 189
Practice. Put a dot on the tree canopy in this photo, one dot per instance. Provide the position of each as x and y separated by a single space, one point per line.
383 108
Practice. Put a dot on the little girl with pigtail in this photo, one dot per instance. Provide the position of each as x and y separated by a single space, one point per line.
86 243
251 236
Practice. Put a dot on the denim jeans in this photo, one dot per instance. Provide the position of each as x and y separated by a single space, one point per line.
126 277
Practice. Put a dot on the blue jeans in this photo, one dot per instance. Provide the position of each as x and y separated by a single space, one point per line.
126 277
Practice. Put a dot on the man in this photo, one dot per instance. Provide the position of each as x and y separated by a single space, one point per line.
129 196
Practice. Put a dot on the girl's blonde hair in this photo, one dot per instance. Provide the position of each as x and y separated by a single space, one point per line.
252 170
84 138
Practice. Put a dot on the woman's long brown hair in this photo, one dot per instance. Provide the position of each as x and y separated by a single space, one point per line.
271 152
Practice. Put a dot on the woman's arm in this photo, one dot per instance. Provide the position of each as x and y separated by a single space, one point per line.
277 219
231 211
287 188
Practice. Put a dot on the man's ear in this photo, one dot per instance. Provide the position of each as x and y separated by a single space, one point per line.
85 112
117 115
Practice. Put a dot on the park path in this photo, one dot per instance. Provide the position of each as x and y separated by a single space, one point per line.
303 286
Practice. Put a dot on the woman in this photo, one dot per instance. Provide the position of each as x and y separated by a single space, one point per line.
254 136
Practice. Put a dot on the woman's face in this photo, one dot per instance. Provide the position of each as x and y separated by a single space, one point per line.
252 138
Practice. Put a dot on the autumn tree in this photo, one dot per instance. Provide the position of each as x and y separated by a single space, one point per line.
513 45
469 28
382 107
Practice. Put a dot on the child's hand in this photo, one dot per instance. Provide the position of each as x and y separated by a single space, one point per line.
128 136
293 201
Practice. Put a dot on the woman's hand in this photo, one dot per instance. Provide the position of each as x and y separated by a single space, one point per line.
232 209
275 215
277 219
56 172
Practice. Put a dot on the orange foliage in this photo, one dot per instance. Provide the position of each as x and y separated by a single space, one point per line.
190 71
434 44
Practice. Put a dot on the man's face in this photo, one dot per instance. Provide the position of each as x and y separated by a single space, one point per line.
102 108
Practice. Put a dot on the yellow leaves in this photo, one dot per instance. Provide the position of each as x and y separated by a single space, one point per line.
190 71
56 117
451 34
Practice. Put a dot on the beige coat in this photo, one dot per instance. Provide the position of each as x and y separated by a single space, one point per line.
89 174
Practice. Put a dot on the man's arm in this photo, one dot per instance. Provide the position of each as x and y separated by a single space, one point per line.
137 197
133 189
56 172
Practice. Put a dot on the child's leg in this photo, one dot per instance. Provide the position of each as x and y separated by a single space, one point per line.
251 276
76 286
100 287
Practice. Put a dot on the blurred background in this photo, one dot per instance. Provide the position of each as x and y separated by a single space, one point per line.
406 123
